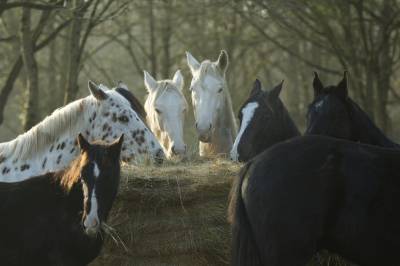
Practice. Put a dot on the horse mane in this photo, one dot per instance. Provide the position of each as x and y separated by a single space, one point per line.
374 135
63 120
134 102
70 176
292 129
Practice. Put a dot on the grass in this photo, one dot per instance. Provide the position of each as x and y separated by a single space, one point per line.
174 215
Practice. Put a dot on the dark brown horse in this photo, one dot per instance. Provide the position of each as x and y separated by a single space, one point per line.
57 218
314 192
264 121
333 113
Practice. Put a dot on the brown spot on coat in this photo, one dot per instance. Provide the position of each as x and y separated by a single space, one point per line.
24 167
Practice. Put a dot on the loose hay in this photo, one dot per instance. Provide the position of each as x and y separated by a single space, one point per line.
171 215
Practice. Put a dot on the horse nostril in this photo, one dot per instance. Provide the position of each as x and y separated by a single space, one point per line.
197 125
95 223
210 127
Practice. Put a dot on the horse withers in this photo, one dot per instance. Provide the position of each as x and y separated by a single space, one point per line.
264 121
57 218
333 113
316 192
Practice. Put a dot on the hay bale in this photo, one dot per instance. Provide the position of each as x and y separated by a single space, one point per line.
171 215
176 215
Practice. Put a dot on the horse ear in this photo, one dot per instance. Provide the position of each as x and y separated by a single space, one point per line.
96 91
149 82
193 64
223 61
256 88
178 79
317 84
276 91
122 85
115 147
84 145
341 88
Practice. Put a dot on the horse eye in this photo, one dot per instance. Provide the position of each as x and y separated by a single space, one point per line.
123 119
158 111
220 90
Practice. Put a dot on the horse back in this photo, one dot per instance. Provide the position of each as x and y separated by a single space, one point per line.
313 192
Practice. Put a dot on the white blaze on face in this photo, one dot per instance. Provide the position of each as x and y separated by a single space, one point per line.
92 219
319 104
247 114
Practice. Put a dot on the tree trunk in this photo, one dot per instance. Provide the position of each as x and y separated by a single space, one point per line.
28 56
153 57
53 90
73 62
166 39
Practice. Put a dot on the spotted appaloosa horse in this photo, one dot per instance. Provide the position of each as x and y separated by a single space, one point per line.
51 145
165 107
57 218
211 100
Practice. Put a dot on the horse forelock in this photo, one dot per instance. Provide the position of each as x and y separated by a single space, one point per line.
72 175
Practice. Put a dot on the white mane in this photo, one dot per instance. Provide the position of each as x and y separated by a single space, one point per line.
63 120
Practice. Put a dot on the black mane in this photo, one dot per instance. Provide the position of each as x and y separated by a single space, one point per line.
135 103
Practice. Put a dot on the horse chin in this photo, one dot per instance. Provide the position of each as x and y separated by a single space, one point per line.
205 138
92 231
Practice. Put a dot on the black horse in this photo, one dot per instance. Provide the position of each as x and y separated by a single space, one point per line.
316 192
264 121
334 114
57 218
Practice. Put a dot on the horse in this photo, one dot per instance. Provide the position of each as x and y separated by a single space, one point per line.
215 120
334 113
58 218
317 192
50 146
264 121
165 107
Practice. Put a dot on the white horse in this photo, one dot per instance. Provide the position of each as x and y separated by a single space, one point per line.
165 107
51 145
215 120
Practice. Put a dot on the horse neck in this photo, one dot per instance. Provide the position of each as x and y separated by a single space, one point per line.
290 129
225 129
52 157
366 131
